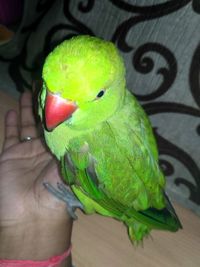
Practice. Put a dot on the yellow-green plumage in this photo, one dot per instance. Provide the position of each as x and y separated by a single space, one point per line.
113 164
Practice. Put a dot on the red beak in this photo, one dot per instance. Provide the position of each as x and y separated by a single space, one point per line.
57 110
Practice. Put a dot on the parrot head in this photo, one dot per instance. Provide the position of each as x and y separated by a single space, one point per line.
83 83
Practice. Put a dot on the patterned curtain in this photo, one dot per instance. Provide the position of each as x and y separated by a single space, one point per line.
160 43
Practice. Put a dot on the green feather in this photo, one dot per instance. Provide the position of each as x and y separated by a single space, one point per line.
107 149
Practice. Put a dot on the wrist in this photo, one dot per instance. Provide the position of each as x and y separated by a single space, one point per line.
35 240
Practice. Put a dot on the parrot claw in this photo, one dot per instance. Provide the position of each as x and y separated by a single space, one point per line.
63 193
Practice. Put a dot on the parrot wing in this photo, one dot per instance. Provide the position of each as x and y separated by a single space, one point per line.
79 171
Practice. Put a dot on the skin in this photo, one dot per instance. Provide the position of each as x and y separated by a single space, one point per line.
27 228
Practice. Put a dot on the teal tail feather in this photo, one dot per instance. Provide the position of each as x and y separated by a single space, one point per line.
164 219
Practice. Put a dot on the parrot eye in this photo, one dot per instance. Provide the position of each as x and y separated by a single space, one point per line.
100 94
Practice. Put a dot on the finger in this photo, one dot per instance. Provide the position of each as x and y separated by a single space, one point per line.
11 129
28 125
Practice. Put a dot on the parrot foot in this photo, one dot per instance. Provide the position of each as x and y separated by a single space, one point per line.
63 193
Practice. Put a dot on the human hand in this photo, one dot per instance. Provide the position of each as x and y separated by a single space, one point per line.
24 202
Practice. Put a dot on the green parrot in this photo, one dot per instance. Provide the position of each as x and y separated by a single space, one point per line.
102 137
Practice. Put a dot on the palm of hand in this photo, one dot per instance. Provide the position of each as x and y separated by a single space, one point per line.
24 166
